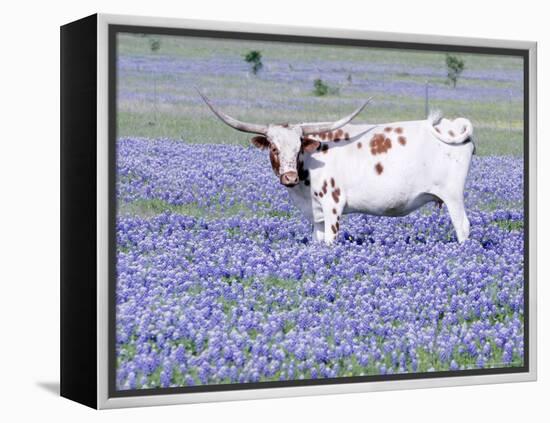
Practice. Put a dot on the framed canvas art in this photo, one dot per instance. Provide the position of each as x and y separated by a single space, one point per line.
253 211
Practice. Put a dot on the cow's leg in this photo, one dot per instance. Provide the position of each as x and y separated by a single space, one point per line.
332 211
318 231
331 231
460 221
331 199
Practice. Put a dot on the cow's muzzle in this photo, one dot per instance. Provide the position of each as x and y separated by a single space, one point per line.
289 179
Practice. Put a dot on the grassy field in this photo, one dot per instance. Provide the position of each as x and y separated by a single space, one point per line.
156 95
218 278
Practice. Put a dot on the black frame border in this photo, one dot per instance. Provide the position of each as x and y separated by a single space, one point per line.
114 29
78 211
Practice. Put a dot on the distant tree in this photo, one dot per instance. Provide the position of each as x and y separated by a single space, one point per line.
254 58
455 66
154 44
320 88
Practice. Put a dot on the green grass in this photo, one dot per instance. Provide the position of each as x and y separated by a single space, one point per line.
498 125
492 205
148 208
197 48
510 225
154 207
287 284
204 129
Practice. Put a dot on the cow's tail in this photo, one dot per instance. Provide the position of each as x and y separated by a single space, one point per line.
458 131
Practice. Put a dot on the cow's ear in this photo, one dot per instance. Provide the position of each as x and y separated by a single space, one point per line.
310 145
260 142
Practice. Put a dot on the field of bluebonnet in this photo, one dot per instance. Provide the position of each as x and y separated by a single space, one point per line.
218 280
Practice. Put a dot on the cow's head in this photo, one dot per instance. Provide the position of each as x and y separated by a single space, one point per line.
284 141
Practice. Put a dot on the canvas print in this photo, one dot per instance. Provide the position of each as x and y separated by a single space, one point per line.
302 212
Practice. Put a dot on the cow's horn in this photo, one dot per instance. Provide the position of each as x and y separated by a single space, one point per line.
317 128
234 123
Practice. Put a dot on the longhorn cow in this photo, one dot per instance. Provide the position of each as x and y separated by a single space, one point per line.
334 168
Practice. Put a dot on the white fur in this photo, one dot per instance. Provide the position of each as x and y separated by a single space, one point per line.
452 132
287 141
429 167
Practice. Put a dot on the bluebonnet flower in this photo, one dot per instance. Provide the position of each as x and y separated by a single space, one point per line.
220 286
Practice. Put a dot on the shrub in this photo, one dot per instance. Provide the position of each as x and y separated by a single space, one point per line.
154 44
455 66
319 87
254 58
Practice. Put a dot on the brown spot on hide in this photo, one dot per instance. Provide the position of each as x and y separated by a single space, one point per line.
346 136
309 145
332 182
379 144
388 129
315 193
337 135
334 211
274 158
336 195
337 226
402 140
451 133
332 136
379 168
359 144
333 228
321 195
325 187
398 130
260 142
